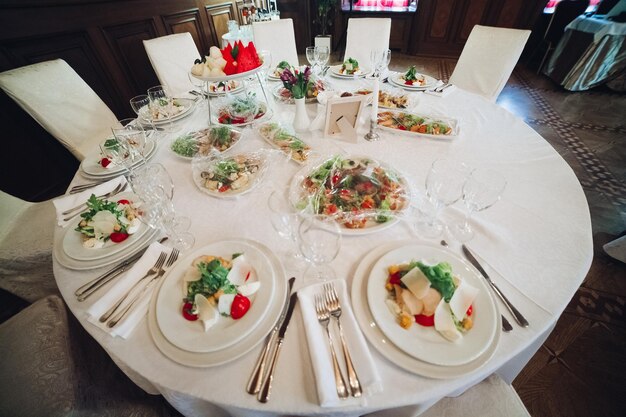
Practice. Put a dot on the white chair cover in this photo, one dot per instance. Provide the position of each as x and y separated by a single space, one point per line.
364 35
26 234
487 60
62 103
277 37
172 57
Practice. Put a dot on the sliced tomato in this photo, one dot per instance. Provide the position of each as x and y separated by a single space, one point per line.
401 127
187 314
335 179
426 321
240 306
367 204
394 279
407 82
118 237
330 209
223 188
470 310
105 162
123 201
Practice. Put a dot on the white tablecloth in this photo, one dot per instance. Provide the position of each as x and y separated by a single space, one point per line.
537 241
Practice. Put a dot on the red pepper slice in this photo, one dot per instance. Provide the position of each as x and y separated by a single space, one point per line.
123 201
105 162
426 321
223 188
470 310
187 314
118 237
394 279
240 306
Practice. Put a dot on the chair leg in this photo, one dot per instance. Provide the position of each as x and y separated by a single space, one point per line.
544 57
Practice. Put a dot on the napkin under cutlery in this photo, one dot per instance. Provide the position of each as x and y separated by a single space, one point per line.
125 327
72 200
320 350
446 91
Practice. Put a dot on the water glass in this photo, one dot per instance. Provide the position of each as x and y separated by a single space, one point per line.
319 239
285 221
160 106
131 138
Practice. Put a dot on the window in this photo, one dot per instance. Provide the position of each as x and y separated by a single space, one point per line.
593 5
379 5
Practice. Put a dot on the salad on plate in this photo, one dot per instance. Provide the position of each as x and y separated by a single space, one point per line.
350 67
313 89
413 123
358 192
108 221
164 109
201 142
229 175
215 287
286 141
239 110
282 65
221 87
430 296
412 78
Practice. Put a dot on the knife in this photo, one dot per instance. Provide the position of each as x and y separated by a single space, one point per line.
518 316
264 393
82 293
256 379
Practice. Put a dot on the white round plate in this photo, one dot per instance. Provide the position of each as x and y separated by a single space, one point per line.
229 77
295 196
77 265
219 357
396 80
273 78
386 348
73 243
268 115
190 335
288 100
91 164
221 93
334 70
425 343
188 104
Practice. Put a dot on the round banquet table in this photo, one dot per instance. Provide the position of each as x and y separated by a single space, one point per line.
536 243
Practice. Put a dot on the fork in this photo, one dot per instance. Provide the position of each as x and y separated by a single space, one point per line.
82 187
173 257
118 189
334 308
323 316
154 270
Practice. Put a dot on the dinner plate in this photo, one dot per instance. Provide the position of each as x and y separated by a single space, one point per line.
77 265
297 193
91 164
190 335
247 343
189 105
235 90
276 91
453 123
390 351
268 115
334 70
396 80
272 77
73 242
425 343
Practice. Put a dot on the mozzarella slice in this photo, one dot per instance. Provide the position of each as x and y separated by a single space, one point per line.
414 304
192 274
444 323
224 303
134 226
416 282
241 272
462 298
249 289
206 312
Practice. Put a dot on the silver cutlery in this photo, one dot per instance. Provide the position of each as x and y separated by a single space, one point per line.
334 308
264 393
516 314
256 378
86 290
506 326
82 187
152 271
441 88
172 258
117 190
323 316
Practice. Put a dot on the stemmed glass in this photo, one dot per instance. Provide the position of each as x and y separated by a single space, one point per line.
266 58
380 59
285 220
323 55
141 106
444 186
319 239
160 106
312 57
483 188
129 145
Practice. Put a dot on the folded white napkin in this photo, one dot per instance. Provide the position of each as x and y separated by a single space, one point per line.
125 327
319 348
443 93
66 202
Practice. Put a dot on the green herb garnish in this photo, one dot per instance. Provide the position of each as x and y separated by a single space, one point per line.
185 146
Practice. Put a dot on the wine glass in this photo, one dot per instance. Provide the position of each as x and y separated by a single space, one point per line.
319 239
266 58
153 176
483 188
160 106
380 58
312 57
131 138
285 220
323 55
444 186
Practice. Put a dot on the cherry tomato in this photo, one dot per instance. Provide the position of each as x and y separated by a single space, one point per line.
240 306
105 162
123 201
407 82
401 127
118 237
394 279
367 204
470 310
345 192
426 321
187 314
223 188
331 209
335 179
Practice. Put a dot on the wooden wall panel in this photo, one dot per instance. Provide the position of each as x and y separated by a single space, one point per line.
474 14
299 12
439 22
218 17
188 21
509 14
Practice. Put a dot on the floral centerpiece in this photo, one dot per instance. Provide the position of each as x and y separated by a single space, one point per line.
297 82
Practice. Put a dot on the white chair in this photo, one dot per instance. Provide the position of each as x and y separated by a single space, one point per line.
26 234
277 37
364 35
488 59
172 57
62 103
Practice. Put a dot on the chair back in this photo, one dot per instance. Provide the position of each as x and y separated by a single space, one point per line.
488 59
277 37
10 209
172 57
364 35
605 6
53 94
564 13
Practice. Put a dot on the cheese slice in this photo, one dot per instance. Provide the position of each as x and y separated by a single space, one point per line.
416 282
206 312
462 298
444 323
224 303
249 289
241 272
414 304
